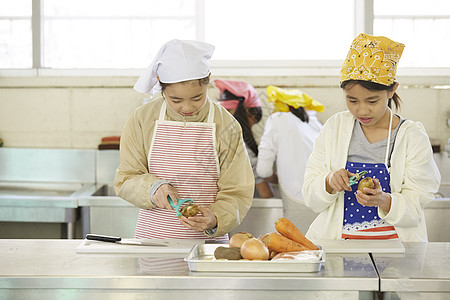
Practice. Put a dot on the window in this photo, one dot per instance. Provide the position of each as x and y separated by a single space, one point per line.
112 33
423 26
119 34
15 34
279 30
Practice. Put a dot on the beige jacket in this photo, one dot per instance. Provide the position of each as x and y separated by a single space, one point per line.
236 182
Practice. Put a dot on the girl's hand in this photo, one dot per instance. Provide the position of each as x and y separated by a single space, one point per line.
160 196
202 221
375 197
338 181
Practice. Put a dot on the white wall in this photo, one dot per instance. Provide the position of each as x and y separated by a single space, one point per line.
75 112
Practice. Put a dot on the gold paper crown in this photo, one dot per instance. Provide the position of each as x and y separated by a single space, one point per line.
372 58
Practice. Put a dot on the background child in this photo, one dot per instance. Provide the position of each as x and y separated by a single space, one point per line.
287 142
241 100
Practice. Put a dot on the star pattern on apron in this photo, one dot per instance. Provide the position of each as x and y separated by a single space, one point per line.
363 222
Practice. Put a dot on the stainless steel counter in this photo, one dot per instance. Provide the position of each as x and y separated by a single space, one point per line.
56 270
43 185
422 273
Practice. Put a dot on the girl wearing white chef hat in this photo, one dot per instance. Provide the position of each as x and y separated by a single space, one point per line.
183 145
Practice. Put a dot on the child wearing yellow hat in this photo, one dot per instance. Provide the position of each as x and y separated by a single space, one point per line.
396 153
287 141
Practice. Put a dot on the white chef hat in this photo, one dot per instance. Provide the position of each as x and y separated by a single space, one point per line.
176 61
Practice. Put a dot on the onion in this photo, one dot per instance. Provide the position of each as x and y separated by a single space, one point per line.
254 249
237 239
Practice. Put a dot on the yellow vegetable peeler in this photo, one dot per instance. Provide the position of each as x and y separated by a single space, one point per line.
354 179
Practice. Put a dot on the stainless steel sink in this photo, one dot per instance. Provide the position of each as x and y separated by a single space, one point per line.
42 191
43 185
436 215
42 202
38 189
444 191
103 212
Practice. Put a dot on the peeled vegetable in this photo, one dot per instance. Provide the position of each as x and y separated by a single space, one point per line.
233 253
239 238
254 249
365 182
190 210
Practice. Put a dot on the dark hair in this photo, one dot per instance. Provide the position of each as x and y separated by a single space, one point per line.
372 86
300 113
241 115
201 81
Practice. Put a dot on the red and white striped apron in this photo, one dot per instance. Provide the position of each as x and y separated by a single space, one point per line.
183 153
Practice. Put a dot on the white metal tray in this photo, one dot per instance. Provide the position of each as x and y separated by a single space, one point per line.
201 259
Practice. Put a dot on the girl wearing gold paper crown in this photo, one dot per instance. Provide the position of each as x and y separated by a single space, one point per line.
287 141
184 146
369 137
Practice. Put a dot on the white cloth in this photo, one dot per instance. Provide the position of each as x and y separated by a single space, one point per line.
287 141
176 61
414 179
253 161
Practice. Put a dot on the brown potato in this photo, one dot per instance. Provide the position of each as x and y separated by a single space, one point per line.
232 253
365 182
189 210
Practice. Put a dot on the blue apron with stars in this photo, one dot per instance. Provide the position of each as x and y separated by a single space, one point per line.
363 222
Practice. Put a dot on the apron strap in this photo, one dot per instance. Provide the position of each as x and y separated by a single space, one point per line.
388 143
162 111
393 143
211 112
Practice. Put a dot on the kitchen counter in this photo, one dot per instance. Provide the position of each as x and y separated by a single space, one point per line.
422 273
51 269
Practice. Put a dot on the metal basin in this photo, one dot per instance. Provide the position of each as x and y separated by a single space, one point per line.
42 202
103 212
444 191
436 215
41 191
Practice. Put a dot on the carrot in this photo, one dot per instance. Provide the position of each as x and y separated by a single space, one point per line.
276 242
286 228
272 254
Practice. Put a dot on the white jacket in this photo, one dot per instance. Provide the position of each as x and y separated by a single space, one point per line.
288 141
414 179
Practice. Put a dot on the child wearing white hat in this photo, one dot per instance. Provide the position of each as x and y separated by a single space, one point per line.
183 145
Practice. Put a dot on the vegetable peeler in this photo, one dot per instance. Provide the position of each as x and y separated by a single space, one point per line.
354 179
180 203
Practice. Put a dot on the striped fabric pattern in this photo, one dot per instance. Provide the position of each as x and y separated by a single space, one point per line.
185 155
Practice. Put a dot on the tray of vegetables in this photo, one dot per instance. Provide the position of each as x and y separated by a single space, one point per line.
287 250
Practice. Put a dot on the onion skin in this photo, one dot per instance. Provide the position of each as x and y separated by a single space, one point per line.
254 249
239 238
